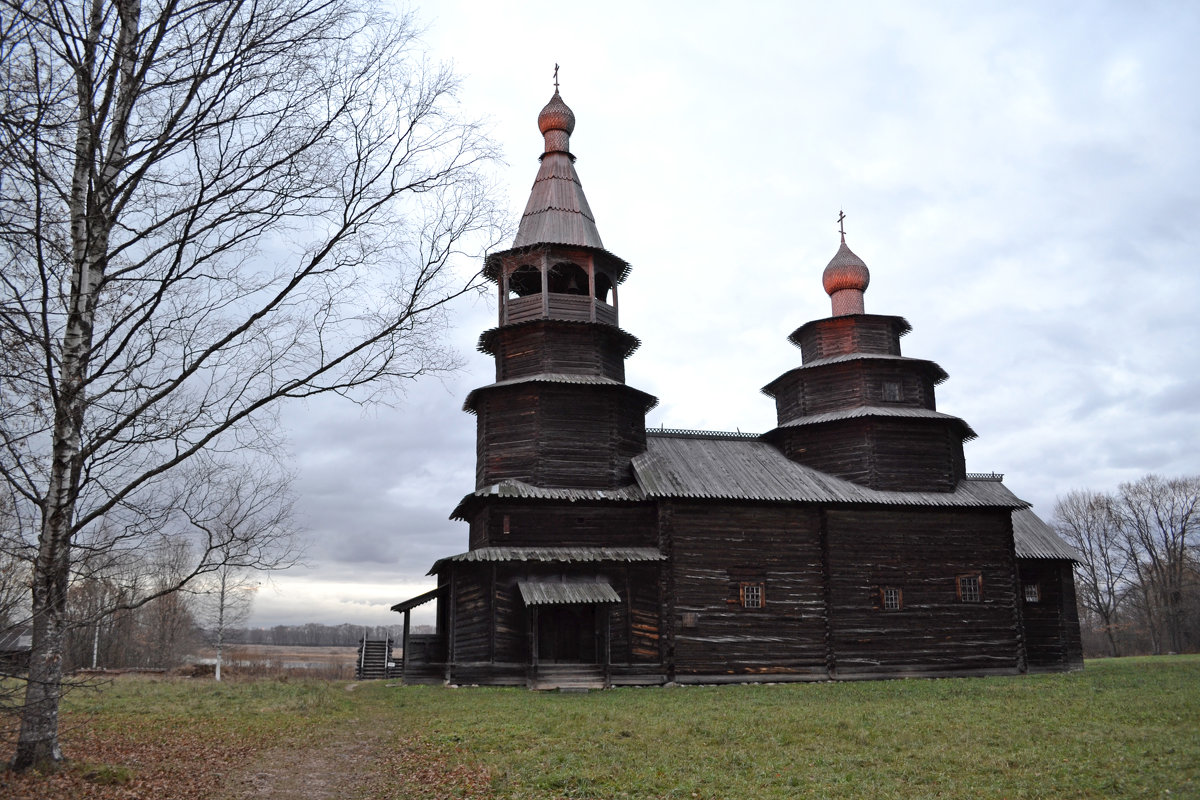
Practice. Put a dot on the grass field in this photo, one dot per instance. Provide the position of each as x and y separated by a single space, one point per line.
1127 728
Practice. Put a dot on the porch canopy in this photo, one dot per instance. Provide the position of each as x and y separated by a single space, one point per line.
557 593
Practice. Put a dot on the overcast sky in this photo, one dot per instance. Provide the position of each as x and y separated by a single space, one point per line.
1022 179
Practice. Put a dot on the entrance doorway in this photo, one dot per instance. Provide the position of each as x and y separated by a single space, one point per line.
568 634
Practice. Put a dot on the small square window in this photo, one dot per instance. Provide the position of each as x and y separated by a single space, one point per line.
893 391
893 598
690 619
970 588
1033 593
752 595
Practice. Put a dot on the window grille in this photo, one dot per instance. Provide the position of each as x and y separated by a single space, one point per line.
893 598
752 595
970 588
1033 593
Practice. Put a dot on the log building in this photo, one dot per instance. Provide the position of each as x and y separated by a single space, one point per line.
847 542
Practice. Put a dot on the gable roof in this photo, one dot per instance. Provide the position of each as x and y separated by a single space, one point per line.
724 468
1035 539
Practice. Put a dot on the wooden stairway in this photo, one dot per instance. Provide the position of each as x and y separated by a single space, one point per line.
569 677
374 656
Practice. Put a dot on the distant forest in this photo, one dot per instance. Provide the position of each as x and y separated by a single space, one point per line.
315 635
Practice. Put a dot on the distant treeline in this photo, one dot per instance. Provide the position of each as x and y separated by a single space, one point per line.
315 635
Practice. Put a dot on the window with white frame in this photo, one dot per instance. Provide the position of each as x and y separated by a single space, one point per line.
893 598
752 595
970 587
1033 593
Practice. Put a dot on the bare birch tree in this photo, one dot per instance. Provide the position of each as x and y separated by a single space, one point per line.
206 207
249 518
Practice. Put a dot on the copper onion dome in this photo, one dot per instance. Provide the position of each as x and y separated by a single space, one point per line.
845 280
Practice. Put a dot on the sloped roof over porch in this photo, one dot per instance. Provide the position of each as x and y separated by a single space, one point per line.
560 555
557 593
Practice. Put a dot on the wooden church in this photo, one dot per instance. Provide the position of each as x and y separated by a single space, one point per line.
848 542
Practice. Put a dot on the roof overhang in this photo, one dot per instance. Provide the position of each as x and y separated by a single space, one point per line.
419 600
562 593
551 555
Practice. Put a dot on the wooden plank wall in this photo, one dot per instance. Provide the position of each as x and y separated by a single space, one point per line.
564 435
716 546
533 523
921 552
883 453
854 334
548 347
487 601
1051 624
849 385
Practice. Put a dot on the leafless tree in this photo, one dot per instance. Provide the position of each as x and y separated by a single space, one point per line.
249 519
1088 522
1160 525
206 207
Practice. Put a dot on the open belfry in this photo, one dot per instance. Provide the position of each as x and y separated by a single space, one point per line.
847 542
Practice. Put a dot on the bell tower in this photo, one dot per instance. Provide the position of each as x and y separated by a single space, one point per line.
859 409
559 414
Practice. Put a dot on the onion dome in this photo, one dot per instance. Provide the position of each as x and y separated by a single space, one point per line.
556 122
845 280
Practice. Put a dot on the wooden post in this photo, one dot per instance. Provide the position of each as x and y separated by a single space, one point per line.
452 597
492 617
607 611
503 299
404 646
533 638
591 287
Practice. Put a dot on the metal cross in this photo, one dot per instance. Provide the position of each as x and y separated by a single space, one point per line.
842 222
556 77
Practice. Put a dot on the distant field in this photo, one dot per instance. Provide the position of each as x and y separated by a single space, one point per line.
1127 728
263 660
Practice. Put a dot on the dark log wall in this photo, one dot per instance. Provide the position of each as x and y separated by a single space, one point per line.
849 385
921 552
541 523
1052 622
880 452
918 455
561 435
491 631
716 547
472 615
859 333
555 347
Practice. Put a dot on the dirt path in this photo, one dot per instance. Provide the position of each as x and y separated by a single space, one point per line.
332 767
366 759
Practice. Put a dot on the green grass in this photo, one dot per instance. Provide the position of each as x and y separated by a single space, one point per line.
1122 728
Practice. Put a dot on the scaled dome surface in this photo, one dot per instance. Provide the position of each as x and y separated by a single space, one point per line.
845 271
556 116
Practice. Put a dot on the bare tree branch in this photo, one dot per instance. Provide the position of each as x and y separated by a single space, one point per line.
206 208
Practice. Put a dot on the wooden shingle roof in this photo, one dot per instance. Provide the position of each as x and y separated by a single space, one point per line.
559 593
557 211
551 555
745 469
877 411
1035 539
